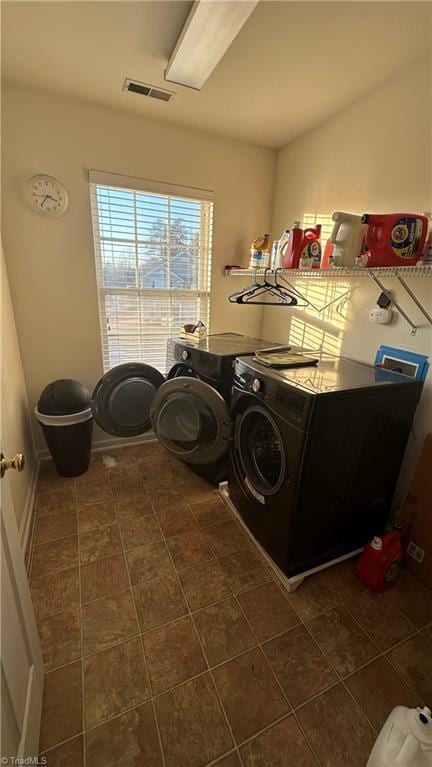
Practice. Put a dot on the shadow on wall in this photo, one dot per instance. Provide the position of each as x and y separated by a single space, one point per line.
313 327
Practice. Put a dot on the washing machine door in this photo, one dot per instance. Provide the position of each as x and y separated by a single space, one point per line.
123 397
259 452
182 370
191 419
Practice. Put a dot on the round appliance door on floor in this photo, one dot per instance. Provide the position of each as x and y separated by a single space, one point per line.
123 397
260 451
191 419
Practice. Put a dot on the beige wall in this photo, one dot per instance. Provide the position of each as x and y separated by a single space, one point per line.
16 436
51 262
374 156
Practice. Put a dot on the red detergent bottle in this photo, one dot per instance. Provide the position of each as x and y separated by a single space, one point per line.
379 563
395 239
302 243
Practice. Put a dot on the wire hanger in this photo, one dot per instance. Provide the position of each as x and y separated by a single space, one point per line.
290 291
340 299
258 290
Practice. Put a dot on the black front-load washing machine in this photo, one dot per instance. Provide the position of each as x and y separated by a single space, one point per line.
316 454
188 410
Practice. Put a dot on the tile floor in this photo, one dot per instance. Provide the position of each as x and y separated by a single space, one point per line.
169 643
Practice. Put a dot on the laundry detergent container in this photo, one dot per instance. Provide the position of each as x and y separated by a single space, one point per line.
65 415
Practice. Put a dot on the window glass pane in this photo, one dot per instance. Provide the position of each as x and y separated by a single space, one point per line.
153 269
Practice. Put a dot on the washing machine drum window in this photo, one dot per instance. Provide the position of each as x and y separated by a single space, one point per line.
191 419
261 450
184 421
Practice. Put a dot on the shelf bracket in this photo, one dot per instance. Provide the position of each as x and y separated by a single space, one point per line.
388 295
415 299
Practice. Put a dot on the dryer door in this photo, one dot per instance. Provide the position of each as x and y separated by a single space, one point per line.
191 419
259 451
123 397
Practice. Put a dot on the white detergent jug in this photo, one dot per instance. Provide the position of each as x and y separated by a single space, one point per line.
405 739
347 237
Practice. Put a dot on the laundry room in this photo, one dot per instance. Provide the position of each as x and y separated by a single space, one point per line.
216 420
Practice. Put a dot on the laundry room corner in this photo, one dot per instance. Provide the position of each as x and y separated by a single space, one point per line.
352 161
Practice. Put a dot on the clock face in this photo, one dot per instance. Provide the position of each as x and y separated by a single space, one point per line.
47 195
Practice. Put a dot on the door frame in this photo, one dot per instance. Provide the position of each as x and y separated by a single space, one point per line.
13 560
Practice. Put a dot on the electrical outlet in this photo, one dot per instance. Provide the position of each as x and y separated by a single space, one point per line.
415 552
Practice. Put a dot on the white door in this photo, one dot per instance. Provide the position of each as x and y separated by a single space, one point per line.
22 670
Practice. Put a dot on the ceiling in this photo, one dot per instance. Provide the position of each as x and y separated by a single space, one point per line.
292 65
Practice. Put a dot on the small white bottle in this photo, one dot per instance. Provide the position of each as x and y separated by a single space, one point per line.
282 246
405 739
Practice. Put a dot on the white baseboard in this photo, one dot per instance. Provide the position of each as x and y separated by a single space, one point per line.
106 444
27 517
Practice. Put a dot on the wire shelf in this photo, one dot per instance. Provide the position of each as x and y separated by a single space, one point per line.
400 273
339 272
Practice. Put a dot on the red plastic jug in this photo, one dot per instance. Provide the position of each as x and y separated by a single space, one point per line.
302 243
395 239
379 563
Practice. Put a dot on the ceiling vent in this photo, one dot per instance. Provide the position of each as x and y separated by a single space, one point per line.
147 90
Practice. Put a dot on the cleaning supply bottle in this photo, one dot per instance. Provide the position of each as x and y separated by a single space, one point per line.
282 246
405 739
327 255
260 252
348 238
395 239
262 242
379 563
302 244
427 255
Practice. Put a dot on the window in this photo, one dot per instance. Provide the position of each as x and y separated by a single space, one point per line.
326 221
309 327
153 251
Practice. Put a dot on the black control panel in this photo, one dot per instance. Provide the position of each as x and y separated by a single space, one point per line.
293 405
205 365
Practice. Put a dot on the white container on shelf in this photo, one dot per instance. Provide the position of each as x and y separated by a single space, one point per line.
282 246
348 238
405 739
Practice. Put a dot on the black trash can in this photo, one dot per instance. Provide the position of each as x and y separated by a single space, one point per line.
65 415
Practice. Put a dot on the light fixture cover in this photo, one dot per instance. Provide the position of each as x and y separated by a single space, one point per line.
208 32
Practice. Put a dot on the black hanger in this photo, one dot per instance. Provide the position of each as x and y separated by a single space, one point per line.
291 290
251 293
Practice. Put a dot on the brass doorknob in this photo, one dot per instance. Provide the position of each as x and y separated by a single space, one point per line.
17 462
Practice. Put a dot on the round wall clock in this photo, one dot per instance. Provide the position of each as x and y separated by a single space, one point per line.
47 195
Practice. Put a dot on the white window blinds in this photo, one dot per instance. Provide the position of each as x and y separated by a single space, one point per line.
153 252
326 221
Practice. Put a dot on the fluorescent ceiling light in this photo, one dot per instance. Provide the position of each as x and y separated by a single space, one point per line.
208 32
